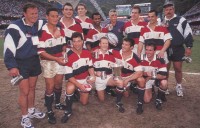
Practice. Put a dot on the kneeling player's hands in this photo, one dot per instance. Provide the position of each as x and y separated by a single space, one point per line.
61 61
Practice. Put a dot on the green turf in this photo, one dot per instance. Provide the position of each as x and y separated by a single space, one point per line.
191 67
195 65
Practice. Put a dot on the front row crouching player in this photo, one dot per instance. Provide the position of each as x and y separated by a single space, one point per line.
50 48
103 61
79 73
131 71
21 58
155 73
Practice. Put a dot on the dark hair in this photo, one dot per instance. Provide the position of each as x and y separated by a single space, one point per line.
151 44
153 10
29 5
94 14
51 9
81 4
137 7
131 41
68 4
77 34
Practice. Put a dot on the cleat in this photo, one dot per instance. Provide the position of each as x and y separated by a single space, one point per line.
26 123
179 91
60 106
36 114
120 107
139 108
66 116
158 104
51 117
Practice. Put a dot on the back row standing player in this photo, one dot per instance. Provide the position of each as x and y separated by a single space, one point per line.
157 34
50 48
85 21
21 58
68 23
133 27
181 34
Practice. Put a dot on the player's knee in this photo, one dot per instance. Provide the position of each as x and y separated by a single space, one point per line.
49 91
163 84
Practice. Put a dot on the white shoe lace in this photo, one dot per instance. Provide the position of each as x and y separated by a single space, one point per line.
26 123
179 91
36 114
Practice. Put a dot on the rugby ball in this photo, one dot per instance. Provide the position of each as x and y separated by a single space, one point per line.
112 38
88 87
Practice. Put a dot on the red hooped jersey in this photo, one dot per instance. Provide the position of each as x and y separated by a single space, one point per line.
94 36
49 44
74 27
159 35
78 65
104 62
86 25
156 63
130 65
133 31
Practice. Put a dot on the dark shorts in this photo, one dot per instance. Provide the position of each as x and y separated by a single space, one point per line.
176 53
29 67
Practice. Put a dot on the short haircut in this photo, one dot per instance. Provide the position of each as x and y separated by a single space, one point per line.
77 34
131 41
153 10
51 9
29 5
95 14
104 37
151 44
67 4
137 7
112 10
81 4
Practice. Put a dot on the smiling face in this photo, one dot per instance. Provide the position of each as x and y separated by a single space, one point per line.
77 43
31 15
104 44
96 20
149 51
152 17
67 11
53 17
126 46
135 14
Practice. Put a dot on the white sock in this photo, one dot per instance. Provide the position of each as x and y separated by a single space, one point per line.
31 110
24 116
179 85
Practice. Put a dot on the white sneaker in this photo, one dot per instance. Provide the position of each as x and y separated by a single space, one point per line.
167 92
36 114
179 91
26 123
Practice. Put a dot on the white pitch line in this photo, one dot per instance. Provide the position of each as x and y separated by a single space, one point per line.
189 73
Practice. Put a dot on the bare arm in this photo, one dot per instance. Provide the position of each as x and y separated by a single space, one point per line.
165 47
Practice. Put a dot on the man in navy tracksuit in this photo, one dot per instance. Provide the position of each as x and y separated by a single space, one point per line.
181 34
21 58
